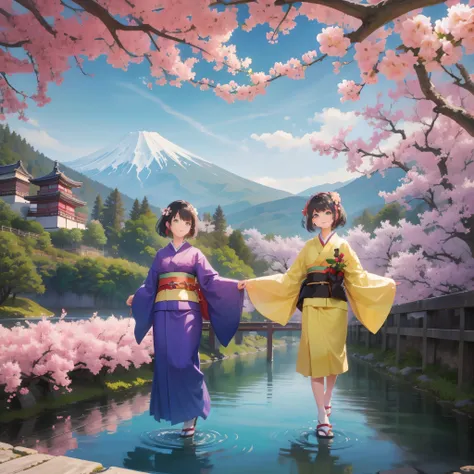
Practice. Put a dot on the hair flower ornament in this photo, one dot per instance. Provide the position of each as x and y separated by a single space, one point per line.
193 210
166 212
335 197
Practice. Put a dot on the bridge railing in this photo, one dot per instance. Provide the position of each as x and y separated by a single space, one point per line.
441 329
269 328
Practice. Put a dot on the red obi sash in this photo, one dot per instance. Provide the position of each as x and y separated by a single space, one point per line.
184 281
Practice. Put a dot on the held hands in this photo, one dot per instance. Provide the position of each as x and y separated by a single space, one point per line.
130 300
242 284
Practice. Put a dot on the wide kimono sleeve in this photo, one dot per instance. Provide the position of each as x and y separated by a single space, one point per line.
276 296
370 296
143 302
224 300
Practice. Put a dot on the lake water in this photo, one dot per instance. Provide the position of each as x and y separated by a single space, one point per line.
262 421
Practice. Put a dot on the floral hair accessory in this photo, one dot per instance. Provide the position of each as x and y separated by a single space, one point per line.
335 197
166 212
193 210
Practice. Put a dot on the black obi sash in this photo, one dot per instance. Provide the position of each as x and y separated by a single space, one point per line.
322 285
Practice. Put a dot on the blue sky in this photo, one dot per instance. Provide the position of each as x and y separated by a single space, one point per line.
87 113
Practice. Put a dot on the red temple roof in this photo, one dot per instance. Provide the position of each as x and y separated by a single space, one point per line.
55 176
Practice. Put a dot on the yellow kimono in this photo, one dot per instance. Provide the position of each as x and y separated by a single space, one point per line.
322 350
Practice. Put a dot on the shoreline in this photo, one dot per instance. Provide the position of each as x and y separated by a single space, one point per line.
433 385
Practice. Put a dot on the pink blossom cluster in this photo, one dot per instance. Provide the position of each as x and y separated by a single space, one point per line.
349 90
278 252
51 351
173 44
437 158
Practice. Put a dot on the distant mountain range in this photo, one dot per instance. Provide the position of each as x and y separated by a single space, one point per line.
147 164
283 217
324 187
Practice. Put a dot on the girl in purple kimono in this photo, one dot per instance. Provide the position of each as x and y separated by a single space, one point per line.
170 301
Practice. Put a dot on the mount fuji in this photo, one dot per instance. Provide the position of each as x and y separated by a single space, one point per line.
146 164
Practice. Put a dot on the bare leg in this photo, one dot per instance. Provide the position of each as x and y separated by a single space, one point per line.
330 383
323 429
317 384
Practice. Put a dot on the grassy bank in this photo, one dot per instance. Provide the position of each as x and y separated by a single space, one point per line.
128 379
22 308
437 380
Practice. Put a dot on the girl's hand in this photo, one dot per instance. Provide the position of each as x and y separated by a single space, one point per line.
130 300
242 284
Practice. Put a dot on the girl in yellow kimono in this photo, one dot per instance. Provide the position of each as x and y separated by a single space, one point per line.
324 276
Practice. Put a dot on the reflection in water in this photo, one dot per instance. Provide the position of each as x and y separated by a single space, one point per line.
308 461
262 420
174 461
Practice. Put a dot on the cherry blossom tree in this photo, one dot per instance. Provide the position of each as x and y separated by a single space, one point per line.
50 352
278 252
435 255
45 37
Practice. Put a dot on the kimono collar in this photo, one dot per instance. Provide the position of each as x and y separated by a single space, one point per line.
180 247
325 241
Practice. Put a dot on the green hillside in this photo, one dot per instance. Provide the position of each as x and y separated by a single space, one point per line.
13 148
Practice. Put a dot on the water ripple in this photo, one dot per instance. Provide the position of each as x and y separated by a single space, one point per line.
306 438
203 441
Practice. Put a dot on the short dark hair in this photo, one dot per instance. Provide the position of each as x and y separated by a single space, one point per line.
322 202
186 212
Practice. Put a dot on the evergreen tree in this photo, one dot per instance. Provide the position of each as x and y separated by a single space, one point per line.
98 209
237 243
114 212
145 207
206 217
218 219
135 213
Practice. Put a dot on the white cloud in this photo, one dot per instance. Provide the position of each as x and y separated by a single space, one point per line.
44 142
33 122
287 117
331 119
296 185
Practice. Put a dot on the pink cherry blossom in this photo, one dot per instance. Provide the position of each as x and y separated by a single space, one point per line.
333 42
208 34
349 90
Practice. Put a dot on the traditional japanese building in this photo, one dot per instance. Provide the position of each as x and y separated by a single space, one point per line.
15 186
54 206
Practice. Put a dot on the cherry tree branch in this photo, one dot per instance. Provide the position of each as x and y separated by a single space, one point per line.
468 82
5 78
461 116
114 25
18 44
373 17
30 6
285 16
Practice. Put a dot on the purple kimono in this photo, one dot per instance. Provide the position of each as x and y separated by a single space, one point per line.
179 392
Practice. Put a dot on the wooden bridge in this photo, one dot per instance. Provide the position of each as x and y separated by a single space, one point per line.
268 328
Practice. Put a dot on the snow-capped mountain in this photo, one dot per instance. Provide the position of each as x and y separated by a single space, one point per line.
146 164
